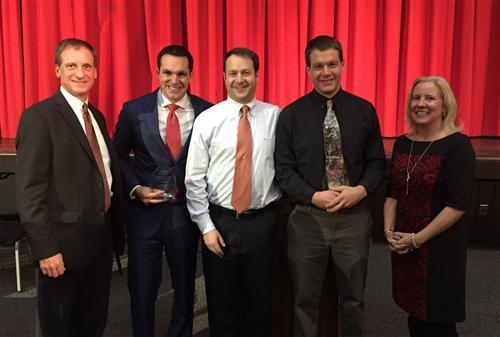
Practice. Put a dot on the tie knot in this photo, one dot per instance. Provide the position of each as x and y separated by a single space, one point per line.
172 107
245 109
329 105
85 110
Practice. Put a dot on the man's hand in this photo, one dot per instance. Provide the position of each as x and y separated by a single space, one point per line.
149 195
322 198
347 196
52 266
213 240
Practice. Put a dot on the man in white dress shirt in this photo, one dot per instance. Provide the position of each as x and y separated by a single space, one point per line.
231 196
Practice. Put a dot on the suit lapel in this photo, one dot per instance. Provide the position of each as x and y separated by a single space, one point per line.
112 155
195 103
150 130
151 135
102 127
100 123
73 123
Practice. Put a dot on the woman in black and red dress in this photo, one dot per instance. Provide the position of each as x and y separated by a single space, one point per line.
430 185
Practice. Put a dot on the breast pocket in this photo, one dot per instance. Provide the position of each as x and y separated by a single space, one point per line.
264 152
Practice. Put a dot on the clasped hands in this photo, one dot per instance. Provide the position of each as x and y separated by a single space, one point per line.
399 242
339 197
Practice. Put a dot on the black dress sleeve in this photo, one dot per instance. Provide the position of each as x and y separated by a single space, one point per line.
374 155
460 173
390 179
287 176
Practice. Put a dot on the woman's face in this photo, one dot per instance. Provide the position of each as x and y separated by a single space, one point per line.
426 106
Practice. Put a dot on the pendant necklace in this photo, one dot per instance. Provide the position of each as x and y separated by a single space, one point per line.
408 170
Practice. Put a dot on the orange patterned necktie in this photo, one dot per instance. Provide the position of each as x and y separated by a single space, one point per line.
94 145
242 180
173 134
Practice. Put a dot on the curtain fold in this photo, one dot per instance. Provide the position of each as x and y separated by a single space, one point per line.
387 44
11 67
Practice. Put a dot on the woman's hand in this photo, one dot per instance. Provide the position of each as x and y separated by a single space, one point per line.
389 237
402 243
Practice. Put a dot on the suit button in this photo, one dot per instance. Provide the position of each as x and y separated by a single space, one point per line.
99 185
101 213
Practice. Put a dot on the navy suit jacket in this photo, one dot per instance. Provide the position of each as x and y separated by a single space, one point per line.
137 132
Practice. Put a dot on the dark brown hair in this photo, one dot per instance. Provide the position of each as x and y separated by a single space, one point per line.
243 52
322 43
175 50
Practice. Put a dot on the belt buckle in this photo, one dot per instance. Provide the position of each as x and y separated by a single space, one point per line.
243 214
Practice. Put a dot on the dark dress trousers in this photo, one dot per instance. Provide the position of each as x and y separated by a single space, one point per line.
157 227
61 204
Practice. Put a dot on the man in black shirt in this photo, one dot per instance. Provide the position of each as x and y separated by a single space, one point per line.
329 156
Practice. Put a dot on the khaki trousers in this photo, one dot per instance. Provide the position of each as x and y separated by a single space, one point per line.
313 236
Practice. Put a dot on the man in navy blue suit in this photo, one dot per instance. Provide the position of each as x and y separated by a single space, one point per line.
157 129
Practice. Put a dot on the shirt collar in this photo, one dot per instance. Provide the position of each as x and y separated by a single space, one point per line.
317 97
74 102
184 102
239 105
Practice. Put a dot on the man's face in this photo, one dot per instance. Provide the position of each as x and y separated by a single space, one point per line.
240 79
77 71
325 70
174 77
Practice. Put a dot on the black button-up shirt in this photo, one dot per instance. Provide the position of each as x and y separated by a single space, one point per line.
299 152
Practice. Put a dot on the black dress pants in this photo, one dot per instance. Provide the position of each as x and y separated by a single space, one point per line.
76 303
420 328
239 284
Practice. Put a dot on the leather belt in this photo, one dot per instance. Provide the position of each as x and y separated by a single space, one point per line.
247 213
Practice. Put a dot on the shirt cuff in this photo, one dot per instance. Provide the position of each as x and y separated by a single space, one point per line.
131 194
205 223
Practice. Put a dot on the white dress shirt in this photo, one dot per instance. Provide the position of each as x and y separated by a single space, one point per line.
212 151
76 105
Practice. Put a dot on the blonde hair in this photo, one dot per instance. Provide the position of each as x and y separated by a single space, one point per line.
449 103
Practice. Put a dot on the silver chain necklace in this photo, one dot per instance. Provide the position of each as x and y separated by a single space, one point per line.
408 170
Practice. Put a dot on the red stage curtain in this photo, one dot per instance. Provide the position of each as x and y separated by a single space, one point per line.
387 44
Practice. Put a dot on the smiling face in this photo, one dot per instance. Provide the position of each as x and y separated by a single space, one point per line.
325 70
426 106
174 77
77 71
240 78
